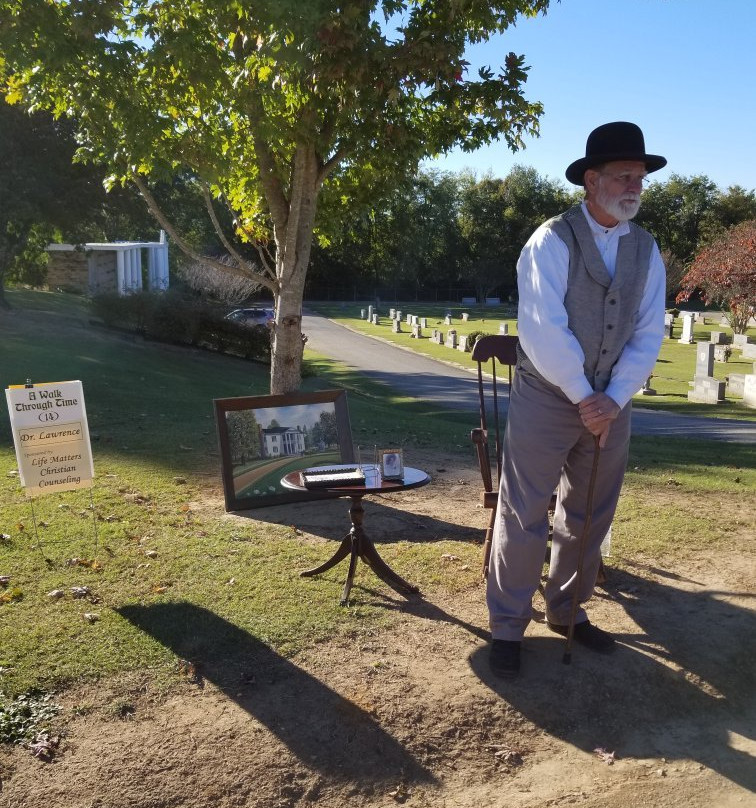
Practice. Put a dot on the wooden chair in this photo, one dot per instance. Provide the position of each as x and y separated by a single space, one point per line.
498 350
502 350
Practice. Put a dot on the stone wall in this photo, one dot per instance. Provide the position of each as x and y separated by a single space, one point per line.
82 272
68 270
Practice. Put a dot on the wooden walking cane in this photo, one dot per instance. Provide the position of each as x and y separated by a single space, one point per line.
567 658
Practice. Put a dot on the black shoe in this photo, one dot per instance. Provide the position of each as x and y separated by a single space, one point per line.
504 658
588 635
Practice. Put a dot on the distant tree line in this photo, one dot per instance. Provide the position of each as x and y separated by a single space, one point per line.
458 235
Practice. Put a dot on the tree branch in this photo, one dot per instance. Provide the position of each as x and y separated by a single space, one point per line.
232 251
330 164
186 248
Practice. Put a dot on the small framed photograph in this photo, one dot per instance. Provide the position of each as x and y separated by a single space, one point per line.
391 464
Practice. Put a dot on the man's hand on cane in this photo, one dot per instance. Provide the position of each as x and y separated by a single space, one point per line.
597 412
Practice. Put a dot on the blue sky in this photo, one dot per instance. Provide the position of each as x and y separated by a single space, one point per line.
683 70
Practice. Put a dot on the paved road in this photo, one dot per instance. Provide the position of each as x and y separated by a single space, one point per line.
456 388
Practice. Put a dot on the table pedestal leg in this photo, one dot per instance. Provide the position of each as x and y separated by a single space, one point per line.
356 545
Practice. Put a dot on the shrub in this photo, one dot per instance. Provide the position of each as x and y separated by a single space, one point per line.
474 336
124 311
174 317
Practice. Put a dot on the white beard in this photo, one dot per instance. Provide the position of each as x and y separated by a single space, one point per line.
623 207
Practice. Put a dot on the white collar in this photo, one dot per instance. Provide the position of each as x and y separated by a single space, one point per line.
619 229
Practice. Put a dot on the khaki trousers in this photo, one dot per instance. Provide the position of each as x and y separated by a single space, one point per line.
546 447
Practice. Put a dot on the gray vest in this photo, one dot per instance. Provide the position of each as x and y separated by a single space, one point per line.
601 310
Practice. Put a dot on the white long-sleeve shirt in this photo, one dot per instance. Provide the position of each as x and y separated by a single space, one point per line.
542 272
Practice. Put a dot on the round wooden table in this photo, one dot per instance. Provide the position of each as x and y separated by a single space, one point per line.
356 543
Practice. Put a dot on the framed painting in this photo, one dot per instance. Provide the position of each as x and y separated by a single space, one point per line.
262 438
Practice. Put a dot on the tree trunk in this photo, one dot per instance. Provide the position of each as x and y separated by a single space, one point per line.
293 244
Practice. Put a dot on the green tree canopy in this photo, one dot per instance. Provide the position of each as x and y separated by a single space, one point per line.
275 106
498 216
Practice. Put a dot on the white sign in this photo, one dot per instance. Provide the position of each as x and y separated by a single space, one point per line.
51 436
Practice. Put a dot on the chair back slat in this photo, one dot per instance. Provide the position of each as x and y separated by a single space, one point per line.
501 348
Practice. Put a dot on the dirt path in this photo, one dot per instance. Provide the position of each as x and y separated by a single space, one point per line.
411 715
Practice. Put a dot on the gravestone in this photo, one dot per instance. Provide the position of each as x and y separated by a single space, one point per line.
749 351
398 314
669 324
722 353
749 390
392 314
718 338
739 340
451 338
396 326
423 322
375 320
417 332
706 389
504 328
363 314
447 319
462 346
465 316
370 313
409 319
647 390
687 330
736 384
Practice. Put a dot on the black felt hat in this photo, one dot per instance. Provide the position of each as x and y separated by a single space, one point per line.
613 141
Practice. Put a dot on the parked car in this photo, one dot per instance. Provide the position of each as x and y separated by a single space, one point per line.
254 316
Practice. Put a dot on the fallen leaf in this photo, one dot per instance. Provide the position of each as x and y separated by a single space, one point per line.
151 553
449 557
606 757
91 617
11 595
43 746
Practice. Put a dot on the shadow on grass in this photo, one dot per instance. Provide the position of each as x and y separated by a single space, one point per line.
384 524
682 688
325 730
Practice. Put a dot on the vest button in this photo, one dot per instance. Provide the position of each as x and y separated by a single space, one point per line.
612 302
609 327
603 351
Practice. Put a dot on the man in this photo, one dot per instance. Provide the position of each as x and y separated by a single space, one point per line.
590 323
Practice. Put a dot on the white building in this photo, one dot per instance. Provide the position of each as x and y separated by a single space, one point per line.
95 268
282 440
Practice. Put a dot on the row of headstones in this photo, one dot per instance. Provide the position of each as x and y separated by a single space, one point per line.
370 314
709 390
459 342
706 388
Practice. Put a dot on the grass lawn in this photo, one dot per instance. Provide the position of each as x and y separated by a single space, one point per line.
160 542
673 371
